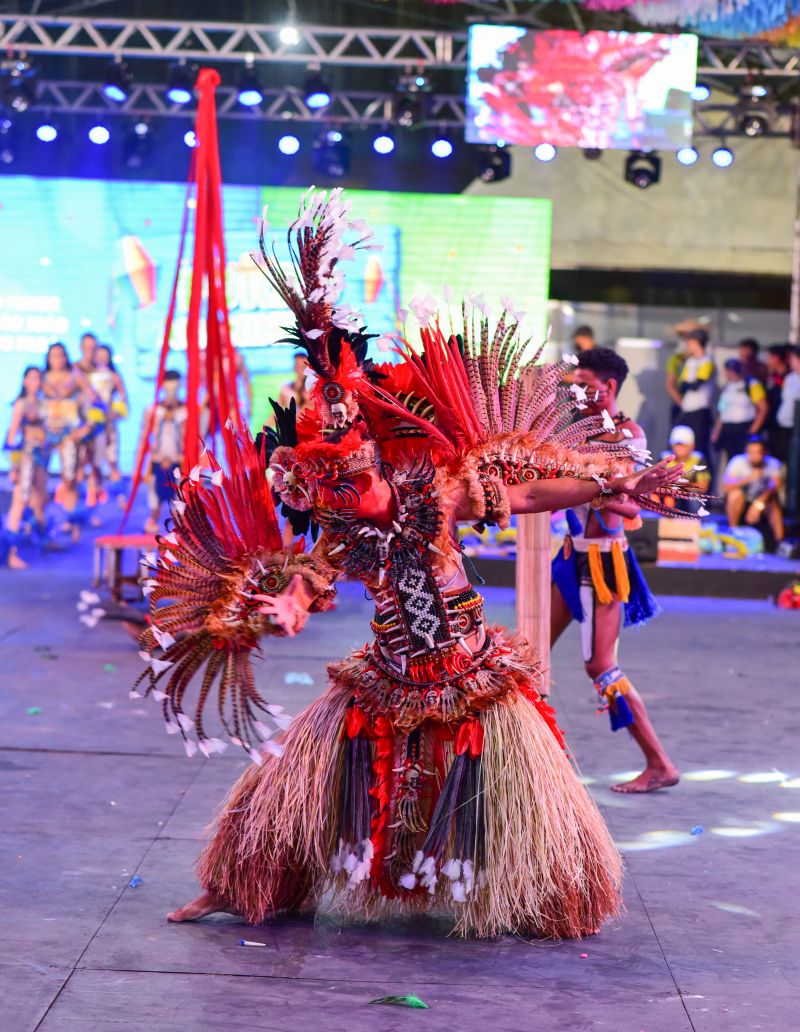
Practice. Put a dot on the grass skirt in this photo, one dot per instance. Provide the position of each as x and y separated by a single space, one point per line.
485 821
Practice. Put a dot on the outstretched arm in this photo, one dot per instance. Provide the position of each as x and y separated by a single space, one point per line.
566 492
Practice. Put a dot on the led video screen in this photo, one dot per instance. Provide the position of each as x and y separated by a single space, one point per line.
606 90
100 255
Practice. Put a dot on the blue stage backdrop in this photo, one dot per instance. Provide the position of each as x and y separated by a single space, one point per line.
96 255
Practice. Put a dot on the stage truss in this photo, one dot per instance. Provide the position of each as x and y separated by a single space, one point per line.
320 45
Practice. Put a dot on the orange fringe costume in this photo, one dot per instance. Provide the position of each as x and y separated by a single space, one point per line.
431 776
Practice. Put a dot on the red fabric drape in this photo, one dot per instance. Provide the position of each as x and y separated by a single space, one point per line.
210 377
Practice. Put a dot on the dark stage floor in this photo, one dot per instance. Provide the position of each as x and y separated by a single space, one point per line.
94 793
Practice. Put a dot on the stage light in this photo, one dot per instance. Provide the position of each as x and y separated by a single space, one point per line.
412 100
316 93
190 138
544 152
687 156
442 147
383 143
722 157
494 164
701 92
18 94
754 125
289 36
180 85
46 132
755 90
117 83
249 91
331 154
592 153
762 777
8 151
99 134
137 145
288 144
642 169
708 774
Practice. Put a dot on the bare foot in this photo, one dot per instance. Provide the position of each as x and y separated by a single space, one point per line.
15 562
651 779
205 904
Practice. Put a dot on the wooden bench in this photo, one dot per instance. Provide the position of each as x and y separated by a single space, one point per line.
109 551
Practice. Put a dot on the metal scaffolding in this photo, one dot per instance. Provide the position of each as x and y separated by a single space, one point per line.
348 107
318 45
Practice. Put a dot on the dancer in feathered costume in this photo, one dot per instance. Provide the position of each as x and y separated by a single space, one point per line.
431 775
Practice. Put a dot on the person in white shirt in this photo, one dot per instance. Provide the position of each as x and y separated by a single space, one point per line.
742 410
752 483
790 392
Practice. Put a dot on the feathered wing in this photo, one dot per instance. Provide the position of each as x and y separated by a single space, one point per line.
222 555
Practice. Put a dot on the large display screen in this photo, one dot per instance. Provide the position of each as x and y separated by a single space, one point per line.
606 90
96 255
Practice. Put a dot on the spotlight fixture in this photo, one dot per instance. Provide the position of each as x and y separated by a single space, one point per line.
117 83
442 147
412 99
46 132
701 92
754 125
99 134
180 85
331 154
137 145
288 144
755 91
642 169
249 94
544 152
592 153
18 94
383 143
722 157
316 93
687 156
190 138
8 150
494 163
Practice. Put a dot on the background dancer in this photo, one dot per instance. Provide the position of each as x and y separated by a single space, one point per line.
166 446
110 399
596 578
64 389
28 436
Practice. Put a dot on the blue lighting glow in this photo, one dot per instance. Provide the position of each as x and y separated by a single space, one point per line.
441 148
288 145
115 92
383 144
99 134
687 156
190 138
250 97
318 99
179 95
46 133
701 92
722 157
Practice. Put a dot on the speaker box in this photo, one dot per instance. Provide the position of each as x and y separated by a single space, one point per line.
644 541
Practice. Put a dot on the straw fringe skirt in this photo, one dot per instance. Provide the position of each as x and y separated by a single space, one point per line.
485 822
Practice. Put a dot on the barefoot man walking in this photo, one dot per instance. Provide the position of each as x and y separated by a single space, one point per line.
597 581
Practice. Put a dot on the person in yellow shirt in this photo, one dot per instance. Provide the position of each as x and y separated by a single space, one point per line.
742 411
696 389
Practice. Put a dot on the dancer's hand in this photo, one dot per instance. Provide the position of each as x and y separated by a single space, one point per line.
649 480
286 611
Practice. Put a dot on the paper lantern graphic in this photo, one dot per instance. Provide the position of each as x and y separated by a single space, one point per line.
135 270
373 279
